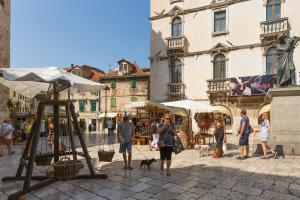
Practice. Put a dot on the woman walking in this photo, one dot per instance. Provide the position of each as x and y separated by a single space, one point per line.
7 137
265 132
166 141
220 136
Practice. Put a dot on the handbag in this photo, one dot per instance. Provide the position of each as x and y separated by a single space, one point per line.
178 146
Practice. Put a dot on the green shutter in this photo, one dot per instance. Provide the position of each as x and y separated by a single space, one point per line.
113 102
133 83
133 99
81 106
93 106
113 84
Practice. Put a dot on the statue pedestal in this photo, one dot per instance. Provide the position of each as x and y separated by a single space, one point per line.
285 118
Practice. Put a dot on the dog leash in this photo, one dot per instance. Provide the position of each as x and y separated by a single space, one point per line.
140 152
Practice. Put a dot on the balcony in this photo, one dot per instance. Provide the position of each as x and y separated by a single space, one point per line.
176 89
218 85
176 43
272 28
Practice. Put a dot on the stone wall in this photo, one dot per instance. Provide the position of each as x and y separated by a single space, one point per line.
123 94
4 33
4 53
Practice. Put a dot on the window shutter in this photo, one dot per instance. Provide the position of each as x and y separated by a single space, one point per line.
133 83
113 84
113 102
93 106
81 106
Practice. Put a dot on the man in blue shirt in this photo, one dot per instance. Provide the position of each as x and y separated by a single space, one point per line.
244 132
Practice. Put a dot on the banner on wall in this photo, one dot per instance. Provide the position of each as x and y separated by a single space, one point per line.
252 85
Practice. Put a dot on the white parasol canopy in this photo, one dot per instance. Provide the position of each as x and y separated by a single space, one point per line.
143 104
32 81
190 105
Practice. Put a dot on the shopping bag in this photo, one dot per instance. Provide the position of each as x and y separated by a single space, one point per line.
178 146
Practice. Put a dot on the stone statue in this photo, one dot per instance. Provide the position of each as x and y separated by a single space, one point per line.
286 74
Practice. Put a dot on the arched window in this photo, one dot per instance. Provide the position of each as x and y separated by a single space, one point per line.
219 66
271 61
176 72
177 27
273 9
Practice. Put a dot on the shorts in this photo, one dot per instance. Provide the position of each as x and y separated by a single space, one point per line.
4 141
244 140
166 153
125 147
264 138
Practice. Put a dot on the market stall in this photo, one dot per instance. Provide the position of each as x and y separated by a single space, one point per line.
146 111
53 81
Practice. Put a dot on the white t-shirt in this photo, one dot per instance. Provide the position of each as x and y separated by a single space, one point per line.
7 131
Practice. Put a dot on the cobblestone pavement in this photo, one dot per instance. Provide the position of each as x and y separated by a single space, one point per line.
193 177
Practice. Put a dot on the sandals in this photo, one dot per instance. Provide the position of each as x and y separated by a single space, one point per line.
274 154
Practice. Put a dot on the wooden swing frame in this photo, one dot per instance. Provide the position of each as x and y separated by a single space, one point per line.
28 156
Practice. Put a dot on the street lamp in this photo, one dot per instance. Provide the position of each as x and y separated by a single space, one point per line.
105 111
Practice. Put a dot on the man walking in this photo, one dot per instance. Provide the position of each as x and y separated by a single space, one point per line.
244 132
109 126
125 133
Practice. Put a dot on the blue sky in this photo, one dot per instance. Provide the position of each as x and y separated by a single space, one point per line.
92 32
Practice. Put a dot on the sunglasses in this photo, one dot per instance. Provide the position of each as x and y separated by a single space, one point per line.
167 118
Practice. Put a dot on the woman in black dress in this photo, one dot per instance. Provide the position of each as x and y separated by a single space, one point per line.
220 136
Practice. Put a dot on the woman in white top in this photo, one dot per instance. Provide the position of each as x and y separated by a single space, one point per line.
265 132
6 138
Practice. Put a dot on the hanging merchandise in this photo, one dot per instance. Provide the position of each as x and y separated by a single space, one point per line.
106 156
67 169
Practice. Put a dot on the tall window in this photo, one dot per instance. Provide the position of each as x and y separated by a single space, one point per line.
177 27
81 106
93 105
113 84
176 72
219 67
273 9
113 102
133 83
271 61
220 22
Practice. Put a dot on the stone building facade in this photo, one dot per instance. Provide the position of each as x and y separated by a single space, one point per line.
198 46
128 83
87 104
4 53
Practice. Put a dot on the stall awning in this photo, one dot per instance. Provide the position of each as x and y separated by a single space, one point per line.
264 109
108 115
193 106
32 81
147 104
222 109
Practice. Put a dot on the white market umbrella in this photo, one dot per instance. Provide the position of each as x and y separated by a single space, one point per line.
190 105
32 81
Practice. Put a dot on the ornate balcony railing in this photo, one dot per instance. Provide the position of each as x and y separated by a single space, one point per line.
176 43
176 89
218 85
274 27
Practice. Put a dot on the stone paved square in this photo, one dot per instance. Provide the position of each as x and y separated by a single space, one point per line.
192 178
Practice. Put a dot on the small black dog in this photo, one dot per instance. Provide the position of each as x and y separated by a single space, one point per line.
147 163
